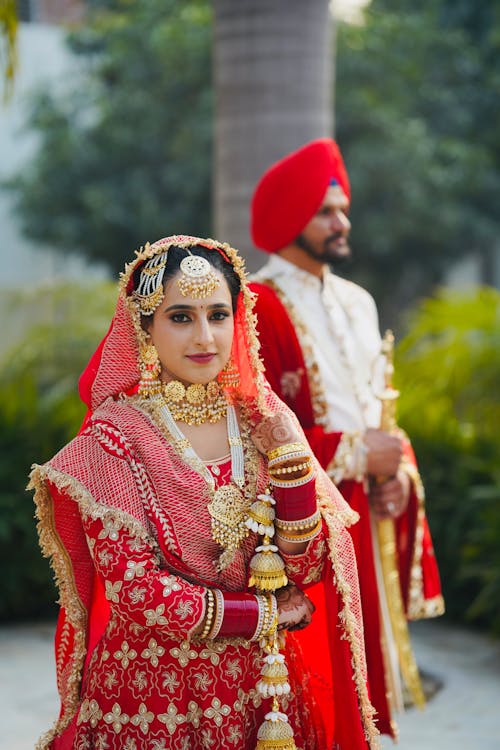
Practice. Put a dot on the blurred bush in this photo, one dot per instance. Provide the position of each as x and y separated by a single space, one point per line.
40 411
448 369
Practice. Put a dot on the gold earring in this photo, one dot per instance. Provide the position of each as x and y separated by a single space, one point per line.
150 367
229 376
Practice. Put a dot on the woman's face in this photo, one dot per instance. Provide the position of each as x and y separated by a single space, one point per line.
193 337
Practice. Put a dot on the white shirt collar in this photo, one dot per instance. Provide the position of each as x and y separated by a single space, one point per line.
277 267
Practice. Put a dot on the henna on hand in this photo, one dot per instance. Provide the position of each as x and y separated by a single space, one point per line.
274 431
295 609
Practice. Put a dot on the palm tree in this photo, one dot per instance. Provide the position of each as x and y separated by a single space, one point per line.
273 92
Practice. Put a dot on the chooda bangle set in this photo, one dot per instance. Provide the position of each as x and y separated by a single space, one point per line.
239 615
293 516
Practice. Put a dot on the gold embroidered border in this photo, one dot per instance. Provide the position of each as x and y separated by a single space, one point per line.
419 607
316 387
336 539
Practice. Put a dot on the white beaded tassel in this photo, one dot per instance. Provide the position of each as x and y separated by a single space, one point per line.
236 448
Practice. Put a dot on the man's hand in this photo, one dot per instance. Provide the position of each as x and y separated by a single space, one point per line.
295 609
390 499
384 453
274 431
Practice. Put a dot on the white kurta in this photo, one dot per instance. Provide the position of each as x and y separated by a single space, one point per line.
342 321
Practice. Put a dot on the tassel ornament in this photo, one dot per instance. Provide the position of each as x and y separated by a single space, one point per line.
274 677
267 574
275 733
261 516
267 569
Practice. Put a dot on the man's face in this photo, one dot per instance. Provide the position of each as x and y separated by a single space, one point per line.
324 238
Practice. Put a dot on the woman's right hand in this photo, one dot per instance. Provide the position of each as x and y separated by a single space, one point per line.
295 609
278 429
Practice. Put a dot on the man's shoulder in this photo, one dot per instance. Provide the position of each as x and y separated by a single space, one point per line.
353 292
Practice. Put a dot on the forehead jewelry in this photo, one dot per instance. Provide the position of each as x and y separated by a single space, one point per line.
198 279
149 292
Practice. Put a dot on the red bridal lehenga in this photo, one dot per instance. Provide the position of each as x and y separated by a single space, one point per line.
124 518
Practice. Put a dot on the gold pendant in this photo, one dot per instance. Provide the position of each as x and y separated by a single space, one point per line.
228 513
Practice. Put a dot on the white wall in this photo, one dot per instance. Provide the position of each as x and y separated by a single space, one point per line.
43 58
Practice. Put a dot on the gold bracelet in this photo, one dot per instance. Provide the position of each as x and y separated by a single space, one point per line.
209 613
260 619
219 614
289 469
281 450
301 524
272 625
299 538
293 482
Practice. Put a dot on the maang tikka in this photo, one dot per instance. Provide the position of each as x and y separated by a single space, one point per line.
197 277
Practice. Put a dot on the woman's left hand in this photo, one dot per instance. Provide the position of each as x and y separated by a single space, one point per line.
295 609
274 431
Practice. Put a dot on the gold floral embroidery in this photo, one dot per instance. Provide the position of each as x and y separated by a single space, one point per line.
125 654
184 609
110 528
112 590
137 595
172 719
170 681
170 583
155 616
216 711
194 714
104 557
212 651
153 651
143 718
140 680
234 735
136 545
202 681
233 668
116 718
110 679
134 569
184 653
89 713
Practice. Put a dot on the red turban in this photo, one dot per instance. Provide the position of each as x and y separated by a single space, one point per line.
291 191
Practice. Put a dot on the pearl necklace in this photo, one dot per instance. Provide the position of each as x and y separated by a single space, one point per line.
228 508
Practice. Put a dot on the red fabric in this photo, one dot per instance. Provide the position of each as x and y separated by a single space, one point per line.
361 535
290 192
295 503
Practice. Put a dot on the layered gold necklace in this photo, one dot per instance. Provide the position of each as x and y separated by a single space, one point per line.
195 404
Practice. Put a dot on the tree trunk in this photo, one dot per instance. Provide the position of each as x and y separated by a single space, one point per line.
273 73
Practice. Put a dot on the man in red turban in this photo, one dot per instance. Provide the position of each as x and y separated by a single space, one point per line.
321 347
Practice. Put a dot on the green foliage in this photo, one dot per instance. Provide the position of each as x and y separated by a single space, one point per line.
448 368
415 88
39 412
125 147
8 43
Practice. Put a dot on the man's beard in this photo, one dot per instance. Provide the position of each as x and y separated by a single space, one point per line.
329 254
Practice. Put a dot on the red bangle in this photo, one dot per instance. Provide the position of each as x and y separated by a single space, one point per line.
294 503
241 615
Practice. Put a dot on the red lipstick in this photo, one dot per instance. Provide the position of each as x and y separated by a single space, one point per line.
202 358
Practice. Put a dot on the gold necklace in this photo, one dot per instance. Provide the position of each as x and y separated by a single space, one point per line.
195 404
